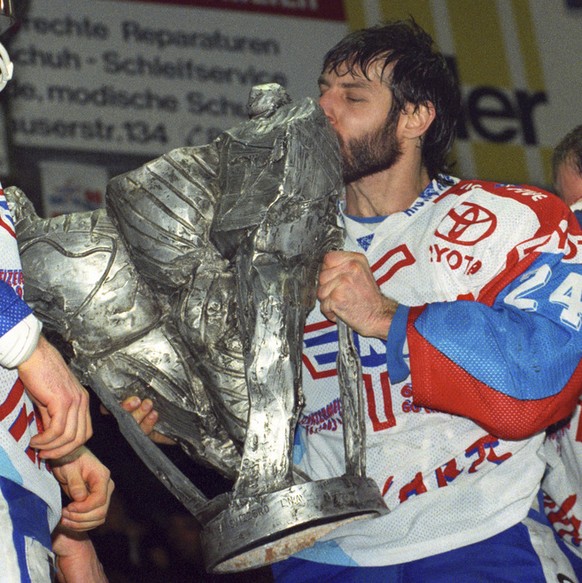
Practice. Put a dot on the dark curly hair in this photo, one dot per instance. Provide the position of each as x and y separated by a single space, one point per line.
420 75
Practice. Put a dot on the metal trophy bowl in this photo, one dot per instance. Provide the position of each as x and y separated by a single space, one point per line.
192 288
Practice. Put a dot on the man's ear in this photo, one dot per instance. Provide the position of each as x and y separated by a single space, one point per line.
415 120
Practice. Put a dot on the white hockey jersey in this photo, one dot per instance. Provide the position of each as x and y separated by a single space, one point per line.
562 484
18 419
457 399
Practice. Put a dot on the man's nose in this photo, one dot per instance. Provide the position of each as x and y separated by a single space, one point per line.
326 103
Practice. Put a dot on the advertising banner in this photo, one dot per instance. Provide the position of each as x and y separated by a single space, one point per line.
117 82
143 77
98 82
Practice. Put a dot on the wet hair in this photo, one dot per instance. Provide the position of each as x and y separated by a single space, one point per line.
420 75
568 150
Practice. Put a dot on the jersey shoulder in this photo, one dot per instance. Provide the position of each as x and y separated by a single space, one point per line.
498 196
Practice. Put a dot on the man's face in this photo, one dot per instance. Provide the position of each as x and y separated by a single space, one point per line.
358 110
568 182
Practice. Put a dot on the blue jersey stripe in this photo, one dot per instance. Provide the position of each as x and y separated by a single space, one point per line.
14 309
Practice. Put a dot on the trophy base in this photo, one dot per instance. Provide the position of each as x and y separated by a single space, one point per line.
264 529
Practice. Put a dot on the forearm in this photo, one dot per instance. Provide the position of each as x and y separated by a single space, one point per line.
62 401
77 561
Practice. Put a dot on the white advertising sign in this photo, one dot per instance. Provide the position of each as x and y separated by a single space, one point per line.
145 77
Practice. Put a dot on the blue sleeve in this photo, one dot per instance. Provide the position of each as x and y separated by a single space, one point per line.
510 361
397 368
527 344
12 308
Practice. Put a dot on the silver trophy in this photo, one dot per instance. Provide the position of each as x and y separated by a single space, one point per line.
192 288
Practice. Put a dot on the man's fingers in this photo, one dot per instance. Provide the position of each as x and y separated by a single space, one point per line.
65 428
56 430
146 417
142 412
83 522
348 290
61 437
97 500
161 439
89 513
131 403
77 489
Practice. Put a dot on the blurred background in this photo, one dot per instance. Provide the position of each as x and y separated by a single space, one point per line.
102 86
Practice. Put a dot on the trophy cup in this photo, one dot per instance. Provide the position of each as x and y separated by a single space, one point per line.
192 288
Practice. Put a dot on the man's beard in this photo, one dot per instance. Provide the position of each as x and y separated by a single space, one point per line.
376 151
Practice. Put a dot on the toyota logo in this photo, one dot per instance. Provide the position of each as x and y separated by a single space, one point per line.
467 224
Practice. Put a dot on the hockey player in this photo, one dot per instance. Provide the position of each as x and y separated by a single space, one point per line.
464 296
562 485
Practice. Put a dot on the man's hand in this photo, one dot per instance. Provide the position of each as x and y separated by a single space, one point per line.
77 561
62 401
87 482
347 290
146 417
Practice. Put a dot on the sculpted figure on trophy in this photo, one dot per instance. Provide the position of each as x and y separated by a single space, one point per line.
191 288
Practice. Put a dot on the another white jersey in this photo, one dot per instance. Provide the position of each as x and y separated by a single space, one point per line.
18 419
562 484
452 395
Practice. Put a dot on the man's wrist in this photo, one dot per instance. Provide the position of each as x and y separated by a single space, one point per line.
389 307
71 457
